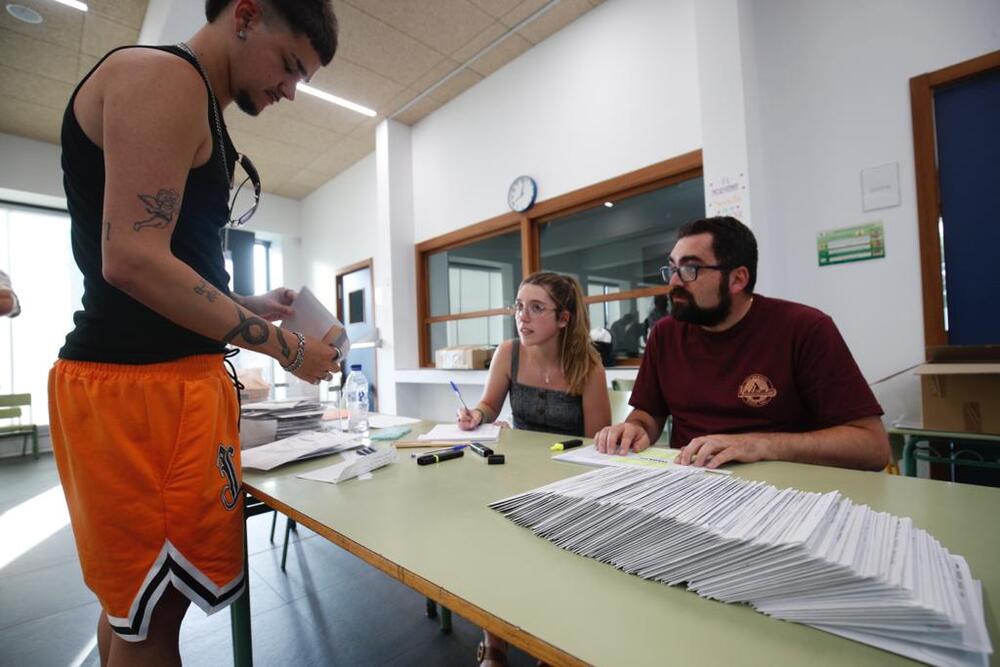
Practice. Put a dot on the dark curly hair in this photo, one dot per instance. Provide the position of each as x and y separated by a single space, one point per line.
733 243
313 18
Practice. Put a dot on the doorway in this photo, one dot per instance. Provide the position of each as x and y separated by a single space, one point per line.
356 309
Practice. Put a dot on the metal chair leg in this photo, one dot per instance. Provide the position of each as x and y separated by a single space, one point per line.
445 619
284 549
274 521
431 609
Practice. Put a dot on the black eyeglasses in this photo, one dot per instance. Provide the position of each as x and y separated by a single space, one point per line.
245 199
687 272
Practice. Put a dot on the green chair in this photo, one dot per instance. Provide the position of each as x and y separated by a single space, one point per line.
10 409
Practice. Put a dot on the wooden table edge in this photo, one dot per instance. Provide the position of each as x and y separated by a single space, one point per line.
534 646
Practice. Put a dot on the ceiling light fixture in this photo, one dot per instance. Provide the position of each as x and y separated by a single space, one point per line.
22 13
82 6
305 88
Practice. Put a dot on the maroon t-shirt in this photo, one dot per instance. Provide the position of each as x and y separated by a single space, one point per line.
783 368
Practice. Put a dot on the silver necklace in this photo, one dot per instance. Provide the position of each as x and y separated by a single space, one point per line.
215 109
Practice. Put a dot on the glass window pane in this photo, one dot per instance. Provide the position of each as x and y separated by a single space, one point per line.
36 253
491 330
621 248
477 276
261 279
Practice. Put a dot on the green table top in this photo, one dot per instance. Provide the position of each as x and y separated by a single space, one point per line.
430 527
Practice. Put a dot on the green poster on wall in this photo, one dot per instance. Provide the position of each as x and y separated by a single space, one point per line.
851 244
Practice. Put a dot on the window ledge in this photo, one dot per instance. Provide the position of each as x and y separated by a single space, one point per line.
477 377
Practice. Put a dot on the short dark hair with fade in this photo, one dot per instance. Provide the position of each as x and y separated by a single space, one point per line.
313 18
733 243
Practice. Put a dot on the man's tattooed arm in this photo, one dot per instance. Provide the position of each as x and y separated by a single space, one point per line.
253 330
161 208
206 291
285 350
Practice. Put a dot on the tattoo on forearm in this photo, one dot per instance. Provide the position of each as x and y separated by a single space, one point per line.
253 330
206 291
285 350
161 208
107 231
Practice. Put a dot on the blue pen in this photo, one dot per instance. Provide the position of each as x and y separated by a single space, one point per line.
453 448
454 388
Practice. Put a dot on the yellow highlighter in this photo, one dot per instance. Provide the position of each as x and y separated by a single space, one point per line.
566 444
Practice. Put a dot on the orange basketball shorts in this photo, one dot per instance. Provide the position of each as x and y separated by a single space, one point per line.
149 460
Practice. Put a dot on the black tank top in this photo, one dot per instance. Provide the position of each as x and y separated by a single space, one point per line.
113 327
539 409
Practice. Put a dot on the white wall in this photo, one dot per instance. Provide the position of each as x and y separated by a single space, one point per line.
834 99
614 91
338 223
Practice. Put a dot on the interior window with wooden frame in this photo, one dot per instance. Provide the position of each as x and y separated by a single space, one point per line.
612 236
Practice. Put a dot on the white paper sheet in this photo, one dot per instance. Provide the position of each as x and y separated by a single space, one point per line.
654 457
484 433
298 447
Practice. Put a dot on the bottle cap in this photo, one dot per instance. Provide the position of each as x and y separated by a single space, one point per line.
355 367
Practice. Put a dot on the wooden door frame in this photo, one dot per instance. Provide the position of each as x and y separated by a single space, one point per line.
922 90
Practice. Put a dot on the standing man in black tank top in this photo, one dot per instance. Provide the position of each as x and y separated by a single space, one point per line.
144 418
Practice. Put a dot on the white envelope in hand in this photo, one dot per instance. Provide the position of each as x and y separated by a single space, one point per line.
310 317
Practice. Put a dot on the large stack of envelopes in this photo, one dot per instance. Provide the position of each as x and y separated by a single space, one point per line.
811 558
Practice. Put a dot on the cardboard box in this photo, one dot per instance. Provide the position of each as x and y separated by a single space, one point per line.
464 356
960 397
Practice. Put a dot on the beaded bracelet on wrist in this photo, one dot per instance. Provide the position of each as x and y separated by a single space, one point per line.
300 355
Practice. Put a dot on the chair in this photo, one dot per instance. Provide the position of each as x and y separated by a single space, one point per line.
10 408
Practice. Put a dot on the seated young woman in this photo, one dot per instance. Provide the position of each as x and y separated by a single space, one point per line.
552 372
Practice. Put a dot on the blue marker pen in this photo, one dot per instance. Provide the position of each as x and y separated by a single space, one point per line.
453 448
454 388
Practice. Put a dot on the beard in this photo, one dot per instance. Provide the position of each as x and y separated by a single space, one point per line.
689 311
245 103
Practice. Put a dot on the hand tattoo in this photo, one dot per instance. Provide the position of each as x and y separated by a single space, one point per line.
253 330
206 291
285 350
161 208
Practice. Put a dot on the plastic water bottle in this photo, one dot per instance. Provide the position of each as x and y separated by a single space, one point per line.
356 392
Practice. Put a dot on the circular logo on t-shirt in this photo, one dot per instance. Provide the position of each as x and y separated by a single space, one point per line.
757 391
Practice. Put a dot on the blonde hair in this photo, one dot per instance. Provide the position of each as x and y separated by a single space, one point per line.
578 357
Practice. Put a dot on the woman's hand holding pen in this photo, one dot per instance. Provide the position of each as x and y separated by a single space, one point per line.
469 420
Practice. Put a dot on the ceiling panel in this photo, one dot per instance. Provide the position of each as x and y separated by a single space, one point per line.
100 35
391 52
423 20
30 54
381 48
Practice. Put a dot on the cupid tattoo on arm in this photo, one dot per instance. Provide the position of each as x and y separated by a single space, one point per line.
161 208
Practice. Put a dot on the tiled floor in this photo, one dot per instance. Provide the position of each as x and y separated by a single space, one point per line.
330 608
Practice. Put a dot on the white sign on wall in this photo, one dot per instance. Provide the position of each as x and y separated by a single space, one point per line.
727 196
880 186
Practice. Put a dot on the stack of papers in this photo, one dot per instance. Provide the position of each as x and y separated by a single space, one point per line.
654 457
811 558
298 448
289 417
451 432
